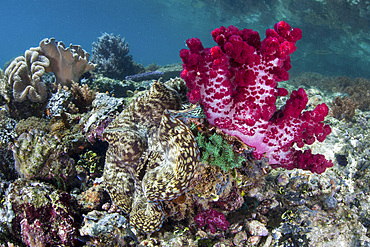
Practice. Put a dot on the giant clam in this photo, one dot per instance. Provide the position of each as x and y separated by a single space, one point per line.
152 157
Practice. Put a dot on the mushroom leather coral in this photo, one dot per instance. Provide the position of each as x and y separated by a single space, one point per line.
25 73
68 64
24 76
236 83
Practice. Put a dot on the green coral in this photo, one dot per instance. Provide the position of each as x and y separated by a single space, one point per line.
89 161
217 151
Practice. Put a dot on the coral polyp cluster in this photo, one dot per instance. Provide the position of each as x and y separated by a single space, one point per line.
236 82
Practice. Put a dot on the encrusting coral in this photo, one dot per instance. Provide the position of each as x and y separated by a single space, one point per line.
44 216
25 73
152 157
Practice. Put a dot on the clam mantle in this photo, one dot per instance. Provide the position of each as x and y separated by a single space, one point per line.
152 157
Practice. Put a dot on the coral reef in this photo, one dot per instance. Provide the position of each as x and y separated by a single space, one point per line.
4 88
114 87
105 228
180 86
359 92
105 109
83 96
7 132
129 170
89 166
215 185
213 218
151 75
357 89
152 67
67 64
44 216
7 135
26 125
343 108
25 73
92 198
24 76
236 83
171 71
151 157
76 99
7 171
59 102
111 54
44 152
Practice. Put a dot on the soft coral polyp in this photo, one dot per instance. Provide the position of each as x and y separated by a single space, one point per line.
236 83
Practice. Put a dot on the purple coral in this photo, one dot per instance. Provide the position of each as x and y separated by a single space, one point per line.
236 84
44 216
37 226
213 218
96 133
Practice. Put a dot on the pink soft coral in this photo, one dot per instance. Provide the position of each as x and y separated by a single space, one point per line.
213 218
236 83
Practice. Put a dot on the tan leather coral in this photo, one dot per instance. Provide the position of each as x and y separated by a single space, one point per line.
24 73
68 64
24 76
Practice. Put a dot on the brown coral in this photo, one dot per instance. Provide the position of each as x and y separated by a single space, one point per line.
68 64
24 76
24 73
343 108
360 92
83 96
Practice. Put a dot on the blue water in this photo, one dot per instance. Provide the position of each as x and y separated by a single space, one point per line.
156 30
153 35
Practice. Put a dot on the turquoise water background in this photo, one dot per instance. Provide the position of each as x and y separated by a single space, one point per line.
334 39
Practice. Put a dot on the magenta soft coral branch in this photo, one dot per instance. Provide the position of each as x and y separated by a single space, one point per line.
236 83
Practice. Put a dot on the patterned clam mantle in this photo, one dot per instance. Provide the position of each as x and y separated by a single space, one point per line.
152 157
